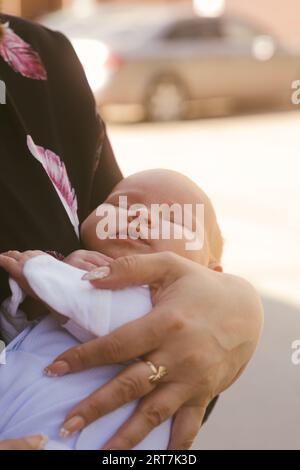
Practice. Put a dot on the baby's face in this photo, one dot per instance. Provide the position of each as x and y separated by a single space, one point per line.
129 221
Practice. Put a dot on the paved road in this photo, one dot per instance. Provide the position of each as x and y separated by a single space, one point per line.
250 166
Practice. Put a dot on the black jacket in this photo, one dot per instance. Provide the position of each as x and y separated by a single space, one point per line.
58 112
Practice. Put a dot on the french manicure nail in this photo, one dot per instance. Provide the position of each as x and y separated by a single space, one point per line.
48 373
63 433
57 369
72 426
37 442
101 273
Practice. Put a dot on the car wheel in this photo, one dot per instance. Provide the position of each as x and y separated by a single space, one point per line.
166 100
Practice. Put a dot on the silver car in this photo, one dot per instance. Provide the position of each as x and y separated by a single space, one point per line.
167 64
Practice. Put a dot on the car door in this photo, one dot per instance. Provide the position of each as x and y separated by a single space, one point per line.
193 49
261 69
226 57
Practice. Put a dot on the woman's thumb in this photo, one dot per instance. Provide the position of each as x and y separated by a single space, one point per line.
133 270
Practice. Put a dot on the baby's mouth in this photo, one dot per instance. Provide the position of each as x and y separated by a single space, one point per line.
133 236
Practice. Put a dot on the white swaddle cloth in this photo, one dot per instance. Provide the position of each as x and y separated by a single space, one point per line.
31 402
61 287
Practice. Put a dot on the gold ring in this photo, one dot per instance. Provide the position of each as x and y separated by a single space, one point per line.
158 373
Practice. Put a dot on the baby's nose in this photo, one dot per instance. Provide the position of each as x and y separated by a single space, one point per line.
142 214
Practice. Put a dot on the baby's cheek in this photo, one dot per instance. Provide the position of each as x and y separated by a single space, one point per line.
176 246
180 247
87 232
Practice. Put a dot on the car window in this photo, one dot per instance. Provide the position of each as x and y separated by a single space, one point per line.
202 29
239 31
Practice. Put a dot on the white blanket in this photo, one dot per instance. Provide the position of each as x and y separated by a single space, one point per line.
30 402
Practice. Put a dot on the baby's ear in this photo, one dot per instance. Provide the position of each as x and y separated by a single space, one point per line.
216 267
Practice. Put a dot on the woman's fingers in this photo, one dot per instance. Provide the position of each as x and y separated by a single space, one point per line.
186 426
28 443
128 342
152 411
136 270
131 384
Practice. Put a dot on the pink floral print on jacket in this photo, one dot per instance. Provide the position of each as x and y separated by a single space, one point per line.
21 57
57 172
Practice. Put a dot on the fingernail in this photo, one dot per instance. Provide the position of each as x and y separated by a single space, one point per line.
72 426
101 273
37 442
57 369
48 373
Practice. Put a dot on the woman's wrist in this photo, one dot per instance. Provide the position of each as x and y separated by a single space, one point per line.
243 298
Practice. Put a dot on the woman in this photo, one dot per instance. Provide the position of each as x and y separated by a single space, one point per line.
56 165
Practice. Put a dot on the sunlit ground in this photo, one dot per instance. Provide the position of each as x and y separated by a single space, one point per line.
250 166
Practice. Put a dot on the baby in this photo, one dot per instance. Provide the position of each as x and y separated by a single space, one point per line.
33 403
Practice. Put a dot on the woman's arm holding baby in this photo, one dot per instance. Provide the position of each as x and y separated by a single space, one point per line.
204 328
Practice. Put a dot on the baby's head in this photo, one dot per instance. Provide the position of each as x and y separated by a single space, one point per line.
145 192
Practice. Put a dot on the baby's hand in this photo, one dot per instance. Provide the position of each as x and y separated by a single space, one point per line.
13 262
87 260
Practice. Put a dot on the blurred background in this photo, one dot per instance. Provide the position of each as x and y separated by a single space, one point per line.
204 87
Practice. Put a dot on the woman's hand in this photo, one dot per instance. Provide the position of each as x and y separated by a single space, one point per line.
204 328
28 443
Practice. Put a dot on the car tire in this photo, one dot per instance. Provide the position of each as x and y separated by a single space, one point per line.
166 100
